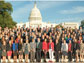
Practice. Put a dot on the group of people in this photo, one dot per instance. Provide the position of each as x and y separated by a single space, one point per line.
36 43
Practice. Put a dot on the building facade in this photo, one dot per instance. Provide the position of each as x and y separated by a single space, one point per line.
35 18
70 24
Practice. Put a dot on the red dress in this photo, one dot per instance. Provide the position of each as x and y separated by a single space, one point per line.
9 52
52 45
69 47
44 46
17 40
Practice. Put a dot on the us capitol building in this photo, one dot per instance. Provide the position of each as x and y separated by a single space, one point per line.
35 20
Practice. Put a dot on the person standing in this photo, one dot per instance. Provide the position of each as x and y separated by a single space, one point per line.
38 50
9 50
32 50
51 49
81 50
20 49
4 51
45 49
15 50
57 50
75 49
70 50
26 49
64 50
0 50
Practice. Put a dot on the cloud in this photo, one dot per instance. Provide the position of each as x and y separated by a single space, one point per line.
22 12
47 4
70 19
74 10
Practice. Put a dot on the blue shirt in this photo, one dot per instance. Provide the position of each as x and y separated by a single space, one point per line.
67 41
15 46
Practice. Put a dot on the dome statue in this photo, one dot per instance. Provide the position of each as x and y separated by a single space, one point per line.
35 18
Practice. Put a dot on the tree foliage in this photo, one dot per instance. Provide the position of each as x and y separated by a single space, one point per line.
82 23
59 25
5 15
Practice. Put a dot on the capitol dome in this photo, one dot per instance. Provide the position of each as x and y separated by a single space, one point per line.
35 17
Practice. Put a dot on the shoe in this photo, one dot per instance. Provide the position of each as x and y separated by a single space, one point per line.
26 61
50 61
44 60
21 61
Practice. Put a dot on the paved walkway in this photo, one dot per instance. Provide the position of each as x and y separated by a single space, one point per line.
41 61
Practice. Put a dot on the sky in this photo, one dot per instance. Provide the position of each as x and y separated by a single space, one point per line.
53 11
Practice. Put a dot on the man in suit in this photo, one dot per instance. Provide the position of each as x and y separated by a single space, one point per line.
38 50
57 50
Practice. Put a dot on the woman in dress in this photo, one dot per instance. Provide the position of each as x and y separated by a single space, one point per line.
18 38
4 50
70 48
26 50
12 40
0 50
81 50
45 49
15 50
9 50
20 48
64 50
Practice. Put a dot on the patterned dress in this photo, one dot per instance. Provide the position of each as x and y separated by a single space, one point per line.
82 48
3 48
20 48
26 48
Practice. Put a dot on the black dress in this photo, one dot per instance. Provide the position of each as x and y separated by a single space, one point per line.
20 48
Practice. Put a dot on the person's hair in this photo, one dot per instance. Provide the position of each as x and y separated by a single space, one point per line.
15 41
21 41
3 38
11 37
64 41
4 42
19 36
44 39
38 38
10 42
50 39
32 39
56 40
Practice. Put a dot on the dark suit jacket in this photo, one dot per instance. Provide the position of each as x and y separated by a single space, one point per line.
76 46
57 47
39 46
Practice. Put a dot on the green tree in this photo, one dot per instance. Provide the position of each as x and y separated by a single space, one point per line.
82 23
5 15
59 25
